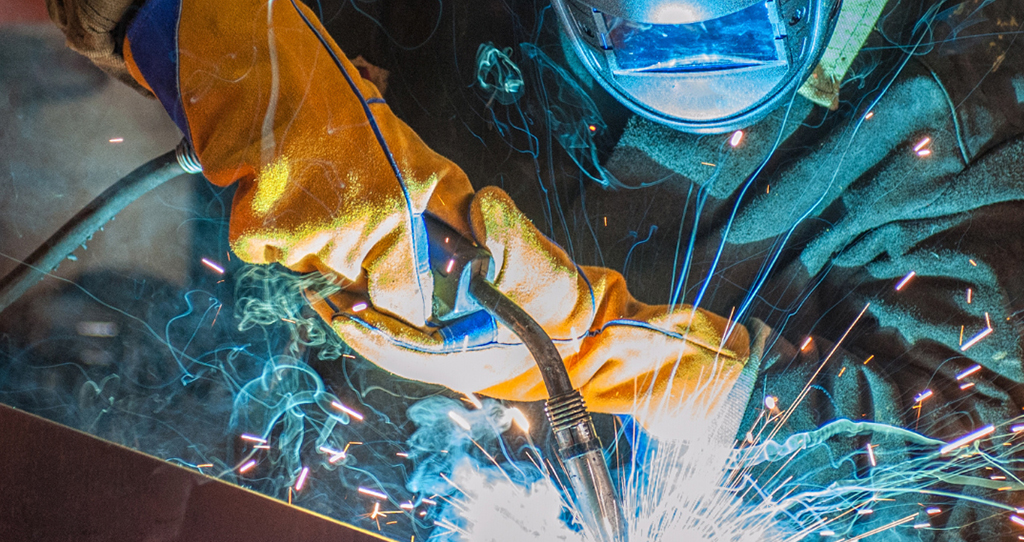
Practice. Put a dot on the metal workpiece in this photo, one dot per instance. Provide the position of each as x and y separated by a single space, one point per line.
60 484
582 456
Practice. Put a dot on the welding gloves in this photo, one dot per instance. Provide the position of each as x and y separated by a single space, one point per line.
329 180
625 357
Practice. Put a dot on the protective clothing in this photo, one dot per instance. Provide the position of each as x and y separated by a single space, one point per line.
95 28
699 66
624 356
330 180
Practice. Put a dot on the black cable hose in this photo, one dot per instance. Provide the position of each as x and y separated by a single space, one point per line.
552 369
76 231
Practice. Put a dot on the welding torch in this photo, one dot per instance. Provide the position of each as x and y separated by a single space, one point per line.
461 270
461 287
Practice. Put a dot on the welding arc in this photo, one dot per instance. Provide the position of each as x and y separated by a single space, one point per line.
549 361
76 231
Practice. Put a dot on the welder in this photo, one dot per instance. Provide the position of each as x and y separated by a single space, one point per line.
894 148
329 180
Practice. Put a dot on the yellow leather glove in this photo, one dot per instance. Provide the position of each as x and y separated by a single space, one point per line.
624 356
330 180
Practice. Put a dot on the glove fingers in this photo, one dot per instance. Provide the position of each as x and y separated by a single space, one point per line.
418 354
531 270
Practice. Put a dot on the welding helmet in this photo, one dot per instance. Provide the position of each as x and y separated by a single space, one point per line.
702 66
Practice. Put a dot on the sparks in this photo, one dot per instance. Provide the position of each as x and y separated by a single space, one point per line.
302 479
933 511
205 466
770 402
871 456
335 454
807 342
373 493
473 400
216 268
1017 428
1017 520
969 295
451 264
406 506
968 438
968 372
247 467
903 282
922 396
347 410
358 307
116 140
974 340
402 454
869 115
921 144
923 152
737 136
253 438
519 419
459 420
966 385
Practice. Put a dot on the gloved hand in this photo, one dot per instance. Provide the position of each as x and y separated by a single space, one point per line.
623 355
330 180
95 28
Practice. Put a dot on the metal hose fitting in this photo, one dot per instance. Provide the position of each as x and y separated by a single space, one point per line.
583 457
187 158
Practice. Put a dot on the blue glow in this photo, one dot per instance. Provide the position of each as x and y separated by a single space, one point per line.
741 39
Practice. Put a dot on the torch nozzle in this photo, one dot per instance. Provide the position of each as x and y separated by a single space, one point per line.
581 454
461 286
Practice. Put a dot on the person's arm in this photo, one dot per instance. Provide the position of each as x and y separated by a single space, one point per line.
95 28
329 180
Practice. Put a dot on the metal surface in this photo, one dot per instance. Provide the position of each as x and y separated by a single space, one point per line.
58 484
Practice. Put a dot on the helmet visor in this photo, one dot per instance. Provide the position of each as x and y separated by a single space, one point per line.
745 38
